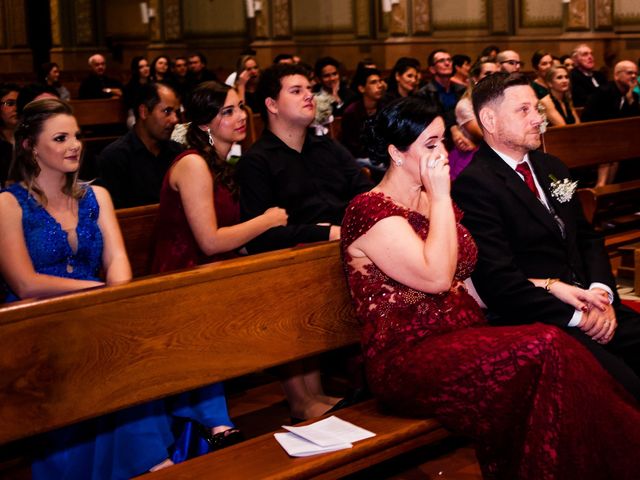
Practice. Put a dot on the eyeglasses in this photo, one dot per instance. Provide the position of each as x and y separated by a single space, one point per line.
8 103
513 63
443 60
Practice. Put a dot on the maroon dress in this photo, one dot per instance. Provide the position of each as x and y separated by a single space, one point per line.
537 404
175 246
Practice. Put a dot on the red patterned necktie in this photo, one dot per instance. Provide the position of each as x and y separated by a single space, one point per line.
524 170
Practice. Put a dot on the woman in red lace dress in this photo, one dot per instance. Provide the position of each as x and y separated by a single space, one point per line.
535 401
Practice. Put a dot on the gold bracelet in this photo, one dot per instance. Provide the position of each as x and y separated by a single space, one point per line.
549 282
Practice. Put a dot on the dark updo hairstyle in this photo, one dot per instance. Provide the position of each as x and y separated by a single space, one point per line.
44 70
399 124
205 104
24 166
402 65
135 69
537 57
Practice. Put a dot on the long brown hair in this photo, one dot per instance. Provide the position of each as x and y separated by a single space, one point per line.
206 101
24 166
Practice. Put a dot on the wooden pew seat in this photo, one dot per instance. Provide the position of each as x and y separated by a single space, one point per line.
263 458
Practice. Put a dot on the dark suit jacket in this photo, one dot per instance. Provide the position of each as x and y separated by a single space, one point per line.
604 104
582 86
518 239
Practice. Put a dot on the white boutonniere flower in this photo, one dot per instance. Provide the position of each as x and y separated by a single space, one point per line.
324 108
562 190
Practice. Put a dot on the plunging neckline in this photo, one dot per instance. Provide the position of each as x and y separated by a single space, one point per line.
59 225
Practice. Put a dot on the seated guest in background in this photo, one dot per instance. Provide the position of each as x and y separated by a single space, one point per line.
466 120
461 68
490 52
97 84
140 75
614 99
535 402
327 71
198 71
313 178
161 71
132 168
509 61
403 80
245 80
440 88
567 62
180 80
584 78
8 122
541 61
283 58
49 74
538 258
363 64
557 104
371 88
199 216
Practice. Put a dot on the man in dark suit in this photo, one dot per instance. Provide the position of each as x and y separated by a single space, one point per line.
538 258
585 79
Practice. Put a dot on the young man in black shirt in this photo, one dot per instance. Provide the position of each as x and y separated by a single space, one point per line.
313 178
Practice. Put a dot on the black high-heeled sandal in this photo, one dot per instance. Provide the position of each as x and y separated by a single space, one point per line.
218 441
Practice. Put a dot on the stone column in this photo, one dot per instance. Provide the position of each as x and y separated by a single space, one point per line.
398 21
165 28
75 33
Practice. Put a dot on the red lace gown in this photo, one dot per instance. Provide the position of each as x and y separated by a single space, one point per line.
537 404
175 245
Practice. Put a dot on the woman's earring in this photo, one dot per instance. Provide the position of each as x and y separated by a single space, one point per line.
210 136
398 162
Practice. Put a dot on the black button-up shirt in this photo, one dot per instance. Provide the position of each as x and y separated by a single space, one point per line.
314 186
132 174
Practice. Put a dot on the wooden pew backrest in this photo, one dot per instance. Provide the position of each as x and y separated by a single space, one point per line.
589 144
81 355
138 229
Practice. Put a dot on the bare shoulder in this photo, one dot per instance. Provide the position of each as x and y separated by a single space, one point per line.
8 202
192 162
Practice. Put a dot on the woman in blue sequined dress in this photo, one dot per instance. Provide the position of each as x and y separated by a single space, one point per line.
56 236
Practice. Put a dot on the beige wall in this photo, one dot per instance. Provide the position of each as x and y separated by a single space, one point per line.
346 29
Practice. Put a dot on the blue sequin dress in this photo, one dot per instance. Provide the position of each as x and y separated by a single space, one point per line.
48 244
128 442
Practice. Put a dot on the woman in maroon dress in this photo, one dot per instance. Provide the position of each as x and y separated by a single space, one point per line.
199 217
199 222
536 403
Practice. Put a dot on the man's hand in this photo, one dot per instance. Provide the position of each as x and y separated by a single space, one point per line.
599 325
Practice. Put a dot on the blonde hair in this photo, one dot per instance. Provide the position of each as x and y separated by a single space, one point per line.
24 166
